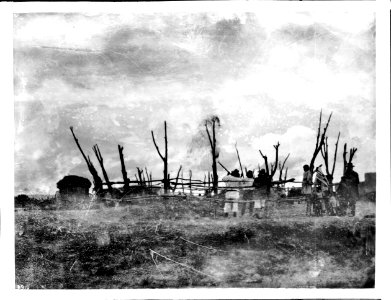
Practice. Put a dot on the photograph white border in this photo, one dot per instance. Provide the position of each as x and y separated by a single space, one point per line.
383 217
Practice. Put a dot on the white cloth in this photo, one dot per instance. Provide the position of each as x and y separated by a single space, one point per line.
232 193
232 182
260 196
227 207
247 182
235 207
231 207
259 204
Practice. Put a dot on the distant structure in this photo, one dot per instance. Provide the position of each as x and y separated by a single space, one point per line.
370 182
73 188
367 188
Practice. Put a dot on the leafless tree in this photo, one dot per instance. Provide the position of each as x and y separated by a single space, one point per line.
97 180
286 173
100 160
211 123
140 176
320 139
352 151
176 179
325 154
166 182
123 168
273 167
281 168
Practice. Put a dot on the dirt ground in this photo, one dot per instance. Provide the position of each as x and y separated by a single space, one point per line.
188 243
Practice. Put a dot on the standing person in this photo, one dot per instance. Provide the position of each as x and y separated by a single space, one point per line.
261 183
307 187
333 204
322 189
232 182
343 195
352 181
321 182
248 193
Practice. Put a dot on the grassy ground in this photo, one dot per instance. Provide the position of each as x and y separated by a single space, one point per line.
111 248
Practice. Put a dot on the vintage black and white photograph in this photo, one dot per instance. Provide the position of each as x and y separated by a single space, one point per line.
207 148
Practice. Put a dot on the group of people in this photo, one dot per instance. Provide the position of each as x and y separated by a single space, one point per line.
234 189
254 193
320 195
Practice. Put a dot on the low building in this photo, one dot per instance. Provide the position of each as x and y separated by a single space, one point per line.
73 189
370 182
367 188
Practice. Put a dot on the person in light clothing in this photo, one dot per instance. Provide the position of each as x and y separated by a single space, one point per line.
232 195
322 188
333 204
248 193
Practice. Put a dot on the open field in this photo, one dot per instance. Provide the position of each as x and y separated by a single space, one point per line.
181 243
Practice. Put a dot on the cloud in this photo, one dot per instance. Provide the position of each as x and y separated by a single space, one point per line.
137 53
317 39
116 77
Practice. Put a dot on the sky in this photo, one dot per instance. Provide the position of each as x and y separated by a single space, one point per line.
114 78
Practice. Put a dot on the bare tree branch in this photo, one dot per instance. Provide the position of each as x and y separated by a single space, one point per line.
266 162
318 135
319 141
335 154
281 167
325 154
78 145
212 141
100 160
140 175
274 169
146 174
156 146
351 154
207 131
97 180
176 180
224 167
327 125
166 181
345 163
323 151
123 168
